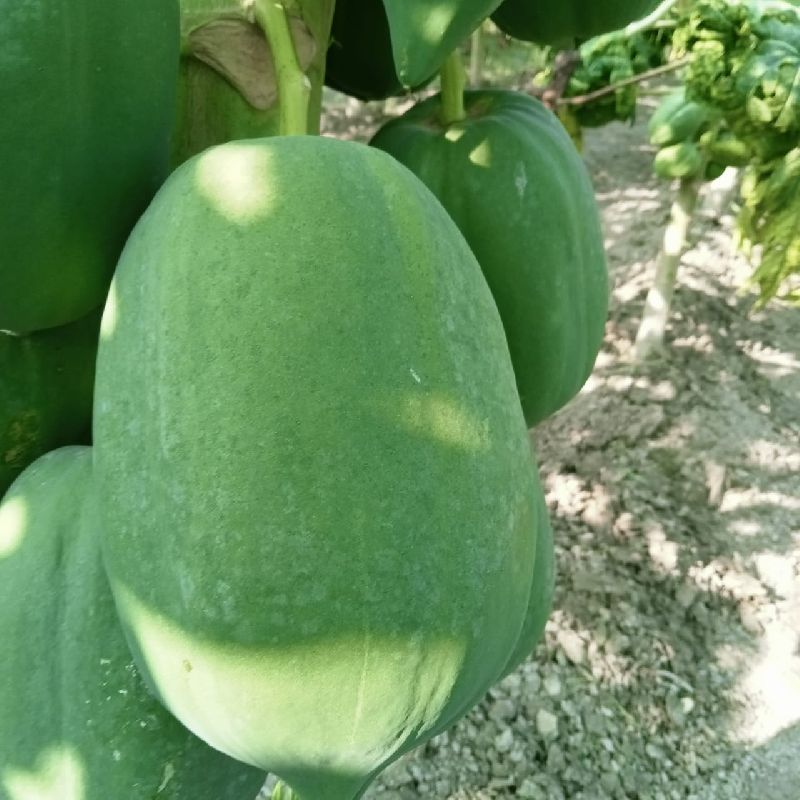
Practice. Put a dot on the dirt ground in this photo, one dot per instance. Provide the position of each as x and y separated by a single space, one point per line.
670 667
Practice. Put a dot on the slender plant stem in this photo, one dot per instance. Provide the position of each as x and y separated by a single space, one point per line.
582 99
476 55
650 336
294 88
453 80
647 22
283 792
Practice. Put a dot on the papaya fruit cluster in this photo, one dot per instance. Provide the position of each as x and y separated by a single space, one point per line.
309 532
693 140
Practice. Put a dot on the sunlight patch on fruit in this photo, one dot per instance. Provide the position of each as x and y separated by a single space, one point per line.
58 775
13 519
481 154
235 180
283 704
110 314
445 420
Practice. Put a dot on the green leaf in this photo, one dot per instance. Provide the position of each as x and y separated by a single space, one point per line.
425 32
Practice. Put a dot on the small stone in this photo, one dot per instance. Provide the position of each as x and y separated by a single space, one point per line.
572 645
504 741
555 759
502 710
546 724
530 790
552 685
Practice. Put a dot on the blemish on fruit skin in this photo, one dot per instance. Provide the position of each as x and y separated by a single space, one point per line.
187 665
414 375
521 180
169 773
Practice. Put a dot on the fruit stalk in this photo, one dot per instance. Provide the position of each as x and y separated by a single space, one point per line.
294 89
453 81
476 57
650 336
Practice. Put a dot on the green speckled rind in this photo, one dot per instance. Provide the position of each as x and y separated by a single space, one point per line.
46 384
88 98
516 187
318 492
559 22
76 722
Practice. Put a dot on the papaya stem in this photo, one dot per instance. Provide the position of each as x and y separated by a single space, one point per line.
453 79
283 792
294 88
476 57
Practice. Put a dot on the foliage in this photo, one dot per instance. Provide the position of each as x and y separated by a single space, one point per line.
771 217
745 62
604 61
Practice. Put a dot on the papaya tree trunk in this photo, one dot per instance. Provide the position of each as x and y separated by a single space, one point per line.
719 193
650 336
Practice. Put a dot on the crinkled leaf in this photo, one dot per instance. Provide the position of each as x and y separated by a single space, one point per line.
425 32
771 218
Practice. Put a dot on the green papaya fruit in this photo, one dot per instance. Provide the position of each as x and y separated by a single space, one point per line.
677 120
729 150
563 22
542 586
518 190
46 385
88 86
316 490
713 170
682 160
381 48
76 721
211 111
360 61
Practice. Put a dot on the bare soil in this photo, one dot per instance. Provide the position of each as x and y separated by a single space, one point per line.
670 668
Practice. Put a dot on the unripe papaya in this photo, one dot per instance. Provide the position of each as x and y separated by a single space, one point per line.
729 150
677 120
88 93
360 61
682 160
316 490
76 721
510 177
46 385
562 22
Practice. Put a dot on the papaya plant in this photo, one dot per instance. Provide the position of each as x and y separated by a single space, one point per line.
310 524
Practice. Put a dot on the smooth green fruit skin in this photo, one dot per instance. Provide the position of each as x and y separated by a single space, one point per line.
518 190
677 120
540 602
88 88
318 498
727 149
76 721
560 22
682 160
46 385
